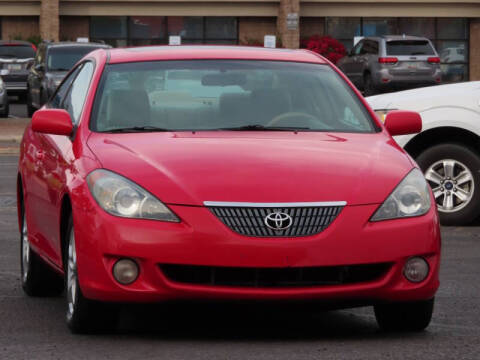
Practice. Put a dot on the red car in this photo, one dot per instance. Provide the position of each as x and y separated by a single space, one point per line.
169 173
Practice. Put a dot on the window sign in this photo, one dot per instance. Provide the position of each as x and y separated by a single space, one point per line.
174 40
269 41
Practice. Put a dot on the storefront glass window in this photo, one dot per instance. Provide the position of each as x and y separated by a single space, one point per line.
452 28
224 28
379 27
147 27
188 27
108 27
417 27
153 30
344 30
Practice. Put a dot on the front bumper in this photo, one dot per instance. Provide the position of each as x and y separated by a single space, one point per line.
201 239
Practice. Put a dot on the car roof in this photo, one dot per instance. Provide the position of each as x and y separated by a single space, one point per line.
197 52
74 43
15 42
396 37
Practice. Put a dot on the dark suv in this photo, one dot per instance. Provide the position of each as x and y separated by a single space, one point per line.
52 63
16 57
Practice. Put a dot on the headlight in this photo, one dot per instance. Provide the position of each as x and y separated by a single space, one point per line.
121 197
2 85
410 198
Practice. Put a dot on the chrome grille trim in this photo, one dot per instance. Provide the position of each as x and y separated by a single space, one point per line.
249 218
273 205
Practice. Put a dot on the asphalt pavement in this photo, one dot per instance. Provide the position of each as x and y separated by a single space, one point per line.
34 328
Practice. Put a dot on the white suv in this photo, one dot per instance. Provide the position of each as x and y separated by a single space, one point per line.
448 148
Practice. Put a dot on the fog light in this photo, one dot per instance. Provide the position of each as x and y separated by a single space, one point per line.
125 271
416 269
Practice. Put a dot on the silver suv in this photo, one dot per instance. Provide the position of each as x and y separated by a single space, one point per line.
378 64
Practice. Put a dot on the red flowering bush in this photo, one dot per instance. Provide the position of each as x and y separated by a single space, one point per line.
326 46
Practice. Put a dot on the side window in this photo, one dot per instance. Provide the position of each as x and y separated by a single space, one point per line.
370 47
62 90
75 98
358 48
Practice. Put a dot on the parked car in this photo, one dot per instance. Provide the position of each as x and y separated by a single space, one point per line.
448 148
4 106
52 63
379 64
277 182
16 58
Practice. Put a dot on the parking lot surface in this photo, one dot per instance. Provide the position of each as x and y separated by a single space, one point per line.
34 328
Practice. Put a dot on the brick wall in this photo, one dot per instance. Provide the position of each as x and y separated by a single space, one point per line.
21 27
475 49
73 27
251 30
49 20
290 38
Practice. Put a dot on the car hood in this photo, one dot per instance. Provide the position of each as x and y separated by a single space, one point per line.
190 168
463 95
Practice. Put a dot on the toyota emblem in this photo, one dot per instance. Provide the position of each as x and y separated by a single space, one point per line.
278 221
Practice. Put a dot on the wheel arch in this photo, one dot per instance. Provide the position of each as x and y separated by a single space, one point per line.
441 135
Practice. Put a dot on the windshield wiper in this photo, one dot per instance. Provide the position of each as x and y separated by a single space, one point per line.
258 127
137 129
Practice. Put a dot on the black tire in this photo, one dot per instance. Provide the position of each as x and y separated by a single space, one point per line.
6 111
38 278
468 158
84 316
22 98
368 87
30 108
408 316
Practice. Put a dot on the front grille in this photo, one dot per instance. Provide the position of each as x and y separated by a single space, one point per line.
250 221
274 277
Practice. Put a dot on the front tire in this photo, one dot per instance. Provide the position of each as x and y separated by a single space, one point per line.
30 108
38 279
368 87
83 315
409 316
453 172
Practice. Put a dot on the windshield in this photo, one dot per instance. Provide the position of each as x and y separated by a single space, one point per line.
17 51
409 48
63 58
226 94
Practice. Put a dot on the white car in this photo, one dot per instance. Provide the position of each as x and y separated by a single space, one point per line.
448 148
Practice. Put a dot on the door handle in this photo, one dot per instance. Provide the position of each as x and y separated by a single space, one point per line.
40 154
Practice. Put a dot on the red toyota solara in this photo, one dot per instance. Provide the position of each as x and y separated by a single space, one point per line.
225 173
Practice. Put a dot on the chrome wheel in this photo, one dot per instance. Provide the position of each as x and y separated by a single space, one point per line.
25 250
71 276
452 184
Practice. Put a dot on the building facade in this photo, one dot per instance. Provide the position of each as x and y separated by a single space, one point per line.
453 25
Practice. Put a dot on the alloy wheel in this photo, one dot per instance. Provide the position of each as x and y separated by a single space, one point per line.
71 276
452 184
25 250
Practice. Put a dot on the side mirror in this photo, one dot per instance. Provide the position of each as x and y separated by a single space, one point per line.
52 121
39 68
400 122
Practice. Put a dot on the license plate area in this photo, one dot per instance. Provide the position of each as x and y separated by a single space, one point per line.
14 67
